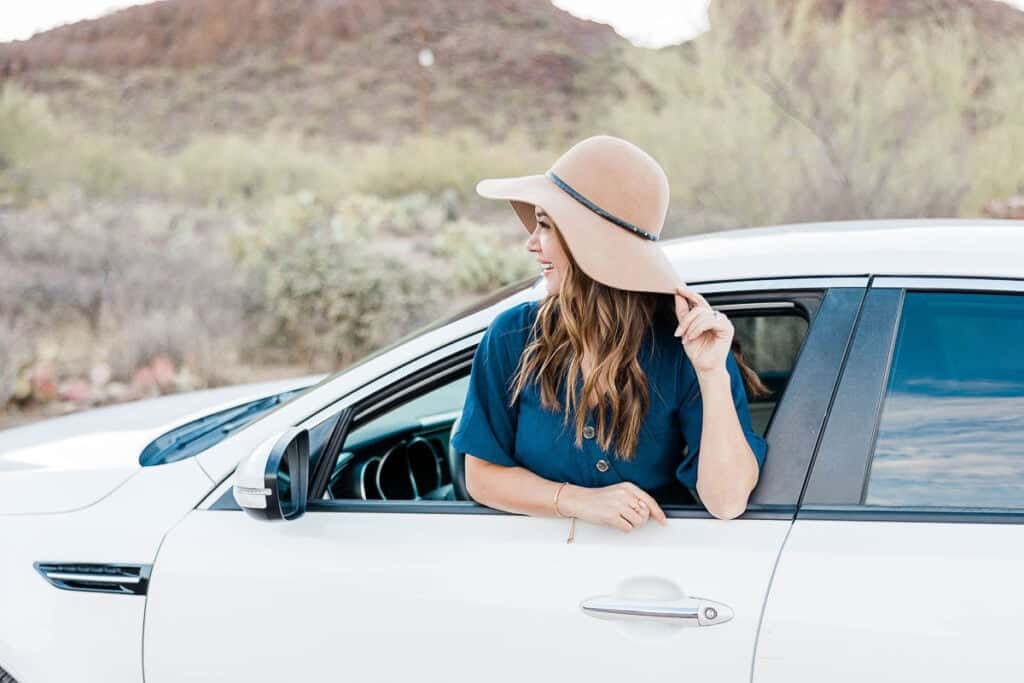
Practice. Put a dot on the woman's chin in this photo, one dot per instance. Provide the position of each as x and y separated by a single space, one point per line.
552 280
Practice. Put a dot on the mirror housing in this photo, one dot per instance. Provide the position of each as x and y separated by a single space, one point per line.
272 482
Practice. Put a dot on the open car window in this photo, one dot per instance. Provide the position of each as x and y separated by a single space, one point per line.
402 453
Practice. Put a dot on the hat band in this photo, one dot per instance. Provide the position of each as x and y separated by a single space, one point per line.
597 209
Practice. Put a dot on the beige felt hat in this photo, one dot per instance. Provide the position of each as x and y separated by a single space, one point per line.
608 198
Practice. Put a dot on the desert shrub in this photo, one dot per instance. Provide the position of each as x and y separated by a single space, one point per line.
480 260
329 288
141 279
811 119
435 163
414 215
40 154
231 168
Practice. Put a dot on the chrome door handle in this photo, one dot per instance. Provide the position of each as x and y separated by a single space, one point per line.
686 612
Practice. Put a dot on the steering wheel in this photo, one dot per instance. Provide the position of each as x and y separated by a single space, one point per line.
457 465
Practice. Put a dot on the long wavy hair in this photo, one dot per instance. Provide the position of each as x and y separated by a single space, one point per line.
608 325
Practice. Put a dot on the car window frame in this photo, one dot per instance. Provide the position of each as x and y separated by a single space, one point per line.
830 304
839 474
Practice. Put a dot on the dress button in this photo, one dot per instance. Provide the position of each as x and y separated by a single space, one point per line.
588 432
602 465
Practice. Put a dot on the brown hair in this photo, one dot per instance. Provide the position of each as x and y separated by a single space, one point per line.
607 324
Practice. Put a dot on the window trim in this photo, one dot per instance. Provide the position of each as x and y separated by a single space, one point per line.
962 284
839 475
468 507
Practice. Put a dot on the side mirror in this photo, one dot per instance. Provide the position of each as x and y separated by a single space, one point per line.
272 482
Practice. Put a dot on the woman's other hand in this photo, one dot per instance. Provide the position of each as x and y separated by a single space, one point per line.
706 334
624 506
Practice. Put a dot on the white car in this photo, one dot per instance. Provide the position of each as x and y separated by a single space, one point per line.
333 538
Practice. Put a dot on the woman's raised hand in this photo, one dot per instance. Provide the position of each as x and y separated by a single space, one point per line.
706 334
624 506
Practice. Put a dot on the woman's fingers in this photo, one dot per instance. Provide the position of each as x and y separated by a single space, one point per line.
625 506
702 317
686 320
654 510
621 524
700 326
632 516
692 297
682 306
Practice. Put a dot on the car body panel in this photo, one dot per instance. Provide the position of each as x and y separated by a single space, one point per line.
856 601
940 247
70 462
872 592
448 597
49 634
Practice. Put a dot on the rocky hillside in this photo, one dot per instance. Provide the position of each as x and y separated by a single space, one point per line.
186 33
340 69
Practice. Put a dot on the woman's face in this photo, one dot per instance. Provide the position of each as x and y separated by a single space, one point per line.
545 245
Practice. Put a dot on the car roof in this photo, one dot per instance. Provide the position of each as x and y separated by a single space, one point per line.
950 247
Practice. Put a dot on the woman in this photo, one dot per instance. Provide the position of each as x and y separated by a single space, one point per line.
605 327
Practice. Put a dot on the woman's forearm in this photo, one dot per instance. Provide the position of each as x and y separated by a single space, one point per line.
512 489
727 470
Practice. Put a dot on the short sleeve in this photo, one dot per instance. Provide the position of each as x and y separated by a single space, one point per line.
691 420
487 427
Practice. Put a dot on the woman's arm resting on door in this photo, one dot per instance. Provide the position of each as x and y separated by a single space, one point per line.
512 489
517 489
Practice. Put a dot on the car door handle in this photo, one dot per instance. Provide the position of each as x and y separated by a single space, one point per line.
691 611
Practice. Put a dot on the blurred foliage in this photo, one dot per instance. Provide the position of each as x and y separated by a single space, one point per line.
454 161
40 155
130 282
325 285
229 168
819 120
483 261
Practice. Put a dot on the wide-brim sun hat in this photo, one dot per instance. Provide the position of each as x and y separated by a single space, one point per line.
608 199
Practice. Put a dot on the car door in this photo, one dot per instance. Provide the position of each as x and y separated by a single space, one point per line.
388 590
906 557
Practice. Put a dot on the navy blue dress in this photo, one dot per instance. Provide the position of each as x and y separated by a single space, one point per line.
530 436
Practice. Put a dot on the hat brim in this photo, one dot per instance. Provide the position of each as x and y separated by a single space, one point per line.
604 251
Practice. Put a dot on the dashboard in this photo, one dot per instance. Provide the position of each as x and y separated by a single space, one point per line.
396 462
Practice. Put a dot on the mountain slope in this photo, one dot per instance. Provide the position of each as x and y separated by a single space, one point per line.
336 69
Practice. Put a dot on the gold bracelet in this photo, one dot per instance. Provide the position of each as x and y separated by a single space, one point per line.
558 492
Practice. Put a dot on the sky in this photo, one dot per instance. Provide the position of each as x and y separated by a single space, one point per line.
652 23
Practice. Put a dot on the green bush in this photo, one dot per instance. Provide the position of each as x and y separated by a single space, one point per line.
232 168
480 261
446 162
328 286
40 155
